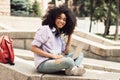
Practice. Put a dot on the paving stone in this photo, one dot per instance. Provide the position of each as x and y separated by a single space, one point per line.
89 75
88 62
102 65
22 70
25 70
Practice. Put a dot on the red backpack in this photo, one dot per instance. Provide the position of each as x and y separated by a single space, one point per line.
6 50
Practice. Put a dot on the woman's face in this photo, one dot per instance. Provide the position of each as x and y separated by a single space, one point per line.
60 21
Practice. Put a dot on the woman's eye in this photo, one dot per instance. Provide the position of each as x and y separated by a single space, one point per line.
64 19
59 18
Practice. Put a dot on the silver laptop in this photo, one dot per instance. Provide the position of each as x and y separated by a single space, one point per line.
78 49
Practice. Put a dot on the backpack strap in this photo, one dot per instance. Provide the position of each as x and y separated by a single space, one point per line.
1 39
9 61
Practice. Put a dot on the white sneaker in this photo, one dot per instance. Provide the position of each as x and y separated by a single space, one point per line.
76 71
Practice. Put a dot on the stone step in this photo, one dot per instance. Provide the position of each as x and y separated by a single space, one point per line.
25 54
87 62
89 75
95 38
101 65
25 70
98 48
22 70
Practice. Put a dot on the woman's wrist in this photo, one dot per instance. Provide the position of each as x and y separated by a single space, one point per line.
69 40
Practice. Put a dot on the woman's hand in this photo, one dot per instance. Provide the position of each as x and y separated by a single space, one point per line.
67 49
57 56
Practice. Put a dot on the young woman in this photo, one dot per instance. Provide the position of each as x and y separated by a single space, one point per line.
48 45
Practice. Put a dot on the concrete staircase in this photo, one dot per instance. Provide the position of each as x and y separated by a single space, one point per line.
98 47
24 69
95 47
95 38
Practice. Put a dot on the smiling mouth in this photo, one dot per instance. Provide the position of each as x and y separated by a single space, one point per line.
60 24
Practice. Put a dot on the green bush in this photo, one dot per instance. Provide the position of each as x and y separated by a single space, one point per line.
36 9
25 8
20 7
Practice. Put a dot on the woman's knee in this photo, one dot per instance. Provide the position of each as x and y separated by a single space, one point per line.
81 55
68 61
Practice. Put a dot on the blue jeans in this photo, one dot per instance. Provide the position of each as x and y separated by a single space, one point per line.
54 65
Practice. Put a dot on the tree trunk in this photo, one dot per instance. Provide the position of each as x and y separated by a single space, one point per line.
117 21
91 14
107 25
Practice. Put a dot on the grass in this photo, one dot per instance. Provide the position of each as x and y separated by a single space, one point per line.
110 36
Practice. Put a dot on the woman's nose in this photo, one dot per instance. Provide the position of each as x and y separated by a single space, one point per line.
61 20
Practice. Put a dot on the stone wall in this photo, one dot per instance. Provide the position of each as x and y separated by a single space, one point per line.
23 39
4 7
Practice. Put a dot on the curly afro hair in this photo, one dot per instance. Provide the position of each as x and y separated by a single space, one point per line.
53 13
